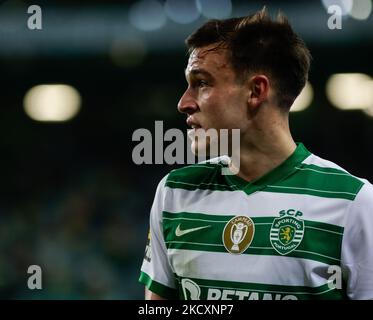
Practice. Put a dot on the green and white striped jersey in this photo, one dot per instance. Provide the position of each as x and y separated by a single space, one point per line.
286 235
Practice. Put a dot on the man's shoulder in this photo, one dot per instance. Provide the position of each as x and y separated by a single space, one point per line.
205 173
314 161
333 175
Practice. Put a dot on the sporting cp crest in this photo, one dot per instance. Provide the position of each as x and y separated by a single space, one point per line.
287 231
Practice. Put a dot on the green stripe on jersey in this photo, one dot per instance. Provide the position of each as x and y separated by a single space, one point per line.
290 177
229 290
313 245
156 287
319 181
200 176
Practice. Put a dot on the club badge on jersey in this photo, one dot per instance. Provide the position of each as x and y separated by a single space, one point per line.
238 234
287 231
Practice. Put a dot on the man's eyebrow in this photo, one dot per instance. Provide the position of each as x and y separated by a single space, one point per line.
196 72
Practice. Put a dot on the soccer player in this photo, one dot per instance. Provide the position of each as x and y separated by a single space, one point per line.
289 225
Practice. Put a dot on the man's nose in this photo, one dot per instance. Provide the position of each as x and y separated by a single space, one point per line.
187 104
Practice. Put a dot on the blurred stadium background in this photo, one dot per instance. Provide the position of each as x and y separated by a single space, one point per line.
71 199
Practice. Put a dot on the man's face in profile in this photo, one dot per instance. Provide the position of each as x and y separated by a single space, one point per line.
215 98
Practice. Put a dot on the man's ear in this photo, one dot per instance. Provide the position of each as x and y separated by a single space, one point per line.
259 90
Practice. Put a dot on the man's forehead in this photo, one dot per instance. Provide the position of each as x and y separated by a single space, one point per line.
208 57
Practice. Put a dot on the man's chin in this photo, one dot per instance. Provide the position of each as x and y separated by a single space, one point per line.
203 151
199 150
203 145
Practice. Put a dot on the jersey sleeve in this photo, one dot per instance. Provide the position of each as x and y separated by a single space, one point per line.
156 272
357 246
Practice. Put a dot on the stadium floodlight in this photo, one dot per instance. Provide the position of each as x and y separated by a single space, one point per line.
52 103
147 15
361 9
304 99
350 91
345 5
215 9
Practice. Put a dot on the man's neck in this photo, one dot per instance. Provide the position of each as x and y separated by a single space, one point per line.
257 159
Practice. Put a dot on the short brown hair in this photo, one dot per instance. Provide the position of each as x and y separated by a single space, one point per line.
259 44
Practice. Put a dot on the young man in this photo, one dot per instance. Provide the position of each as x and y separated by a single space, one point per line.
289 225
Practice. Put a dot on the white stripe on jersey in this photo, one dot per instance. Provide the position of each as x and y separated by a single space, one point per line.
253 268
259 204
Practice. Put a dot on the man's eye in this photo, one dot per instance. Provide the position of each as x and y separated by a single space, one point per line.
202 83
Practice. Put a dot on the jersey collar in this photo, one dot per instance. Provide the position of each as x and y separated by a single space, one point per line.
280 172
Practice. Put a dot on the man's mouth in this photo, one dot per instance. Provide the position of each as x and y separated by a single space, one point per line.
192 123
195 126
